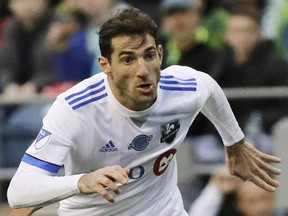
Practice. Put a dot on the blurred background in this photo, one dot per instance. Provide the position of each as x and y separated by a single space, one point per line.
47 46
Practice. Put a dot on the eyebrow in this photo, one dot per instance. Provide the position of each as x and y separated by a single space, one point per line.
148 49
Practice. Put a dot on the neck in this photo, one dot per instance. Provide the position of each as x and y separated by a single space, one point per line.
128 102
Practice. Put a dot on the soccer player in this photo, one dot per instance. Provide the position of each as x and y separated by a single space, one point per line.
116 134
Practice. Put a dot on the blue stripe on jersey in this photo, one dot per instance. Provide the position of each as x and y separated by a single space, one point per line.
178 88
177 82
90 94
172 83
40 163
87 95
171 77
85 90
89 101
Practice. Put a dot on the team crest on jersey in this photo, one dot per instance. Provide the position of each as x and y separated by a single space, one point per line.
169 131
140 142
42 138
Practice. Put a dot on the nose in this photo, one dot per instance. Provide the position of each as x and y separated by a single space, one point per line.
142 68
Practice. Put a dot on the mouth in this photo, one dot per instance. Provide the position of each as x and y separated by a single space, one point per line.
146 88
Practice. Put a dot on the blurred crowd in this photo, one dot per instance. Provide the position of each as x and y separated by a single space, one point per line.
46 46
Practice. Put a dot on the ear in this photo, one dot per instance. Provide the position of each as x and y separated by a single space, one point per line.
160 52
104 65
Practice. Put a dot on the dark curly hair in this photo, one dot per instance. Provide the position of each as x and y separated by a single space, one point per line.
129 22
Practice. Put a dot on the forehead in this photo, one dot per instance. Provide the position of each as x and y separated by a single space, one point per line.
241 20
132 43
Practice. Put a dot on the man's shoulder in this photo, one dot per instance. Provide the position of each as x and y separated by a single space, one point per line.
179 78
88 90
181 72
184 78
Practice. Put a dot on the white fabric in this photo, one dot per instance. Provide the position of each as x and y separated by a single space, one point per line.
87 129
207 203
31 176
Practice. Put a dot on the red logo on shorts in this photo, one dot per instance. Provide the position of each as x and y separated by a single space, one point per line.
162 162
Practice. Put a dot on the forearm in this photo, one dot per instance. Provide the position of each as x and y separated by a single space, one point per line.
218 111
208 203
32 186
23 211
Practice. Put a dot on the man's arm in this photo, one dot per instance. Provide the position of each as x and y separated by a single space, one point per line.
210 200
248 163
33 186
243 159
23 211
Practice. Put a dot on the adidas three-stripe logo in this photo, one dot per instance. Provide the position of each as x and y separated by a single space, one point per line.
108 147
88 95
172 83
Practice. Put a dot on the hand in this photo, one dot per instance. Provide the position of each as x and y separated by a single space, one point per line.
248 163
59 33
101 180
225 182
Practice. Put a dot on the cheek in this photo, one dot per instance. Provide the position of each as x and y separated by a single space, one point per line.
122 78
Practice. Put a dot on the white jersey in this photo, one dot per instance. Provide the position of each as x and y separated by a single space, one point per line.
87 128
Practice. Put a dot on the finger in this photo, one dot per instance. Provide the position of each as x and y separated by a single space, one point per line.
257 172
124 171
267 178
269 158
119 175
105 194
108 183
262 184
127 171
268 168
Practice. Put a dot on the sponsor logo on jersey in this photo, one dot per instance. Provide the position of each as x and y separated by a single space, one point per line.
140 142
108 147
163 161
169 131
42 138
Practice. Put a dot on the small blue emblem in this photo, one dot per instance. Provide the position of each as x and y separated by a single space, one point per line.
140 142
42 134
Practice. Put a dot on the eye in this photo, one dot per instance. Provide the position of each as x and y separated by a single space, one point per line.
127 60
150 56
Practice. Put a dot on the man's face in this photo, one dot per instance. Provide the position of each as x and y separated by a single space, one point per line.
95 8
134 70
242 33
181 24
254 201
28 10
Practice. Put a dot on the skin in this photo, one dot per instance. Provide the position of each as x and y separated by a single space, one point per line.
28 11
254 201
242 33
248 163
225 182
23 211
181 27
134 71
97 12
251 199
